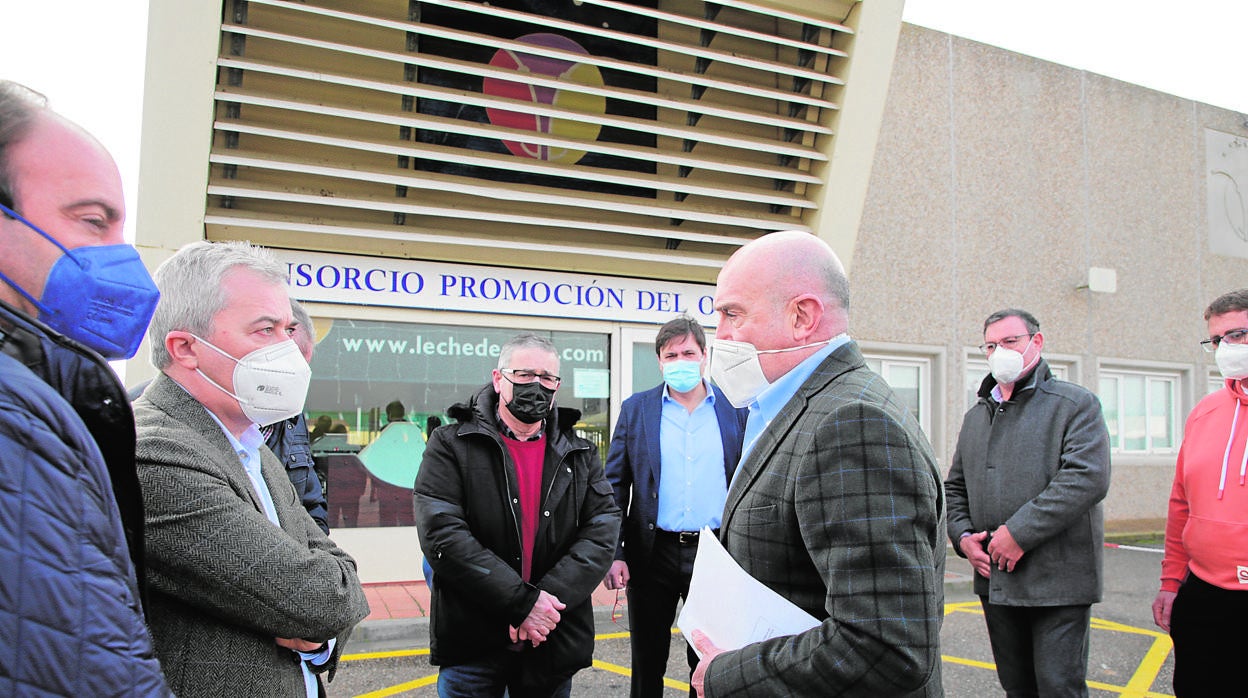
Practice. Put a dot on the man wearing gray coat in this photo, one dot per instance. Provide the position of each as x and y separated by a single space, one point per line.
248 596
1024 490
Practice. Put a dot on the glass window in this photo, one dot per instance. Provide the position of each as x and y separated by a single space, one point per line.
910 378
1141 410
646 373
1215 383
376 385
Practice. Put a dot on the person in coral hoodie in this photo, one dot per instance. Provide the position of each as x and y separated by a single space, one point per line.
1204 573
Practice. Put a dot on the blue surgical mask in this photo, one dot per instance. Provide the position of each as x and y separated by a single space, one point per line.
682 376
99 295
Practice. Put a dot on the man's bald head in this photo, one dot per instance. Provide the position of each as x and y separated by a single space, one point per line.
785 294
790 263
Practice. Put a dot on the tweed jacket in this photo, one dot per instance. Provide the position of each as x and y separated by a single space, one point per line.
223 581
1038 463
633 466
838 507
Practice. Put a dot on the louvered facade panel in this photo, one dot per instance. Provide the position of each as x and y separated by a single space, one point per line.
446 129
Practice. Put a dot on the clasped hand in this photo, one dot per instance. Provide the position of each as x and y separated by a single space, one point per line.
1002 551
541 620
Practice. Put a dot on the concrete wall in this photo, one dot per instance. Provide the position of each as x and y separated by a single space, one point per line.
998 181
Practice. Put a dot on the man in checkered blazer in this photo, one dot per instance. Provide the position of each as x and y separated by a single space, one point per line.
837 504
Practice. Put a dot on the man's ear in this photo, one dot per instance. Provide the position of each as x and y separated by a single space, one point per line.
806 312
179 345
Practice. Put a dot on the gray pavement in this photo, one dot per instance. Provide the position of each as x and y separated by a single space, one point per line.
1129 656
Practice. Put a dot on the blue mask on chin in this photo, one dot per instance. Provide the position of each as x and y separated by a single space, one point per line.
99 295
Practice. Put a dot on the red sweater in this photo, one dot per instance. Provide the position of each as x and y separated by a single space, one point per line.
528 456
1207 526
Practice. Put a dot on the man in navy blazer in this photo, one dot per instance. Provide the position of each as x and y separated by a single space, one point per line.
672 456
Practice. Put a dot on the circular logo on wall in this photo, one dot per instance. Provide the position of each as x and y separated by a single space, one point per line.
558 68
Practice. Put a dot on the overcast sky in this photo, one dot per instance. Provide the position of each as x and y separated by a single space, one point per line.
87 56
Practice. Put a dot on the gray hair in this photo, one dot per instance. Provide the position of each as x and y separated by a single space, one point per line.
19 107
192 289
305 330
528 340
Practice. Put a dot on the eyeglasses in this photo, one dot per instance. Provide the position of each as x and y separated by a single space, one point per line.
521 376
1007 342
1233 337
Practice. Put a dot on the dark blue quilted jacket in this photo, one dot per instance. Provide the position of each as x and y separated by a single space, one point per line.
70 619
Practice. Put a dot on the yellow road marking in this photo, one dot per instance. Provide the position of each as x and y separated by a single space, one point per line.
964 607
383 655
1149 667
1137 687
401 688
625 671
968 662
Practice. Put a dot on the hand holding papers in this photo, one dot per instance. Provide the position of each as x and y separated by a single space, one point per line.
732 608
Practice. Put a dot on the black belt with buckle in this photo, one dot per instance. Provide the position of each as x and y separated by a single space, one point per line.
685 537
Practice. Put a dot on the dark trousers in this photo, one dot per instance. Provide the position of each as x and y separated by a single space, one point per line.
1039 650
1206 623
504 673
652 597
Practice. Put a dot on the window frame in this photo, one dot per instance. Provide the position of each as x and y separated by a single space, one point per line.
1180 377
930 360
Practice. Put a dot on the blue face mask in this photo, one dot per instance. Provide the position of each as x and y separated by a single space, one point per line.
682 376
101 295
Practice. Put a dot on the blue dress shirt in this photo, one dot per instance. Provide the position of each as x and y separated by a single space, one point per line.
775 396
692 488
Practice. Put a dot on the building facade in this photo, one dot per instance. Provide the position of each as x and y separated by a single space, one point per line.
441 174
1002 180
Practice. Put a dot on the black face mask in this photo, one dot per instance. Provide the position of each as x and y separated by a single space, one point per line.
530 402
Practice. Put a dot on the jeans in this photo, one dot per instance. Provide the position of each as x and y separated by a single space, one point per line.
503 673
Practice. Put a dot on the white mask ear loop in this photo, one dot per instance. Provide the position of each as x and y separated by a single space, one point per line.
222 352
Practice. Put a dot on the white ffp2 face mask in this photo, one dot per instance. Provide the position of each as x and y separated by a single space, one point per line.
734 367
270 383
1006 365
1232 360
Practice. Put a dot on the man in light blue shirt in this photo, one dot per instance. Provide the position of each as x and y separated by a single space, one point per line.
672 455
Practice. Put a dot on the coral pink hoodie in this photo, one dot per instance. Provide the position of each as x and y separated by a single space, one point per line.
1207 527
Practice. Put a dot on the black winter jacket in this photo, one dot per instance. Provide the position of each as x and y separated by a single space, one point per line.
468 514
290 443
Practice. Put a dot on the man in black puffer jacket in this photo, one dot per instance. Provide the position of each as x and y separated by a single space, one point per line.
518 521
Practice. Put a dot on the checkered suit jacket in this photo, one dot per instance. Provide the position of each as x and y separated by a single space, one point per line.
839 508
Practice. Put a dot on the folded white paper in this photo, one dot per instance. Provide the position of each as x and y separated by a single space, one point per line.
732 608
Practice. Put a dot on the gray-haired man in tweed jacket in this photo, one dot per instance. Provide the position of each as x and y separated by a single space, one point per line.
248 596
837 504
